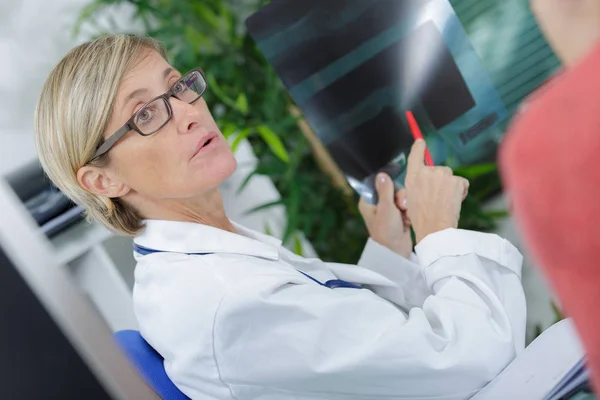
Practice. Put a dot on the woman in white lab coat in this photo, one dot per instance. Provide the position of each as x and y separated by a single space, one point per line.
234 314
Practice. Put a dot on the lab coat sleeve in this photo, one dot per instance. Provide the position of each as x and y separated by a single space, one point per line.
406 273
308 339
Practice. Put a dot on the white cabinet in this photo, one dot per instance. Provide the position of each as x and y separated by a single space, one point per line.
83 250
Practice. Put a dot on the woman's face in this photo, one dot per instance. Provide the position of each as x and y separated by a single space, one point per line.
571 27
175 162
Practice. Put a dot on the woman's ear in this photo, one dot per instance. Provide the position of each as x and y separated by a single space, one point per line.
98 181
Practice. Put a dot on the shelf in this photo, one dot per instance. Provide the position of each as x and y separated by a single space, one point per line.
98 277
78 239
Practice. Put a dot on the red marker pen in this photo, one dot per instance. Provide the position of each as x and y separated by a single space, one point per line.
416 132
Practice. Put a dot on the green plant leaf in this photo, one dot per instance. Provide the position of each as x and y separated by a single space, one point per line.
497 214
197 39
242 103
272 168
274 143
298 245
216 89
245 182
268 229
295 160
327 221
207 16
228 130
241 136
263 207
477 170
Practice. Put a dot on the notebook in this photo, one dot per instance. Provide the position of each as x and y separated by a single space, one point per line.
552 367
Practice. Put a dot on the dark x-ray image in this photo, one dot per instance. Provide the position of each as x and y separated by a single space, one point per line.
378 147
355 67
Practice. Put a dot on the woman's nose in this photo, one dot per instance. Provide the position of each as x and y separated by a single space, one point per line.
185 115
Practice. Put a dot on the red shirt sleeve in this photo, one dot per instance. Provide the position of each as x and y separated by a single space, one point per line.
550 165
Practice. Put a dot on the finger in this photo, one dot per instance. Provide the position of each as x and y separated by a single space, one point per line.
385 192
365 208
445 170
416 158
406 220
401 199
463 186
466 185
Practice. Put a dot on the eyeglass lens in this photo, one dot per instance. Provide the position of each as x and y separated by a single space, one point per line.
154 115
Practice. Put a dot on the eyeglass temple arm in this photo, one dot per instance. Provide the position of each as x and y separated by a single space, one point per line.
110 142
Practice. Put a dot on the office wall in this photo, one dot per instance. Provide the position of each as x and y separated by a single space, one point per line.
33 36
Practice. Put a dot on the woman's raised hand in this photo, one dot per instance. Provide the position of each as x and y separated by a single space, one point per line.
434 194
387 222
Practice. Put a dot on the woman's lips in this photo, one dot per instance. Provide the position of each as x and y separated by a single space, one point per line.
207 143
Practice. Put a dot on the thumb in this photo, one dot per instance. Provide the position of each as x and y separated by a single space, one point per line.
385 192
401 200
366 210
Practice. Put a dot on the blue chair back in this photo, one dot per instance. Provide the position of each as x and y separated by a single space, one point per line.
149 364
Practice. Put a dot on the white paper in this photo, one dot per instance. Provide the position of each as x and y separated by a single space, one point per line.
537 370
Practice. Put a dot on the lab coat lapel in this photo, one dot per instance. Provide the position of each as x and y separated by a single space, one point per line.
371 280
194 238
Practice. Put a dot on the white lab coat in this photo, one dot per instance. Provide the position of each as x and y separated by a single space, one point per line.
242 323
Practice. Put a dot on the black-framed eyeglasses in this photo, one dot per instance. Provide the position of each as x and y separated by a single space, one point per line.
158 112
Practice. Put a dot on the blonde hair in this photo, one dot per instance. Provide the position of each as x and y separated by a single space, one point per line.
72 115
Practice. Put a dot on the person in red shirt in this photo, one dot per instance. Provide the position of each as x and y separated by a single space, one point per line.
550 165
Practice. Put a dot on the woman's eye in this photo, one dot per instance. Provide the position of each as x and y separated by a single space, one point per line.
179 87
144 116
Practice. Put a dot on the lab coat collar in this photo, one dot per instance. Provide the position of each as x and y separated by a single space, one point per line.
191 237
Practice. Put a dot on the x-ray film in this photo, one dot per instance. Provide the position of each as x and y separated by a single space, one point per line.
354 67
